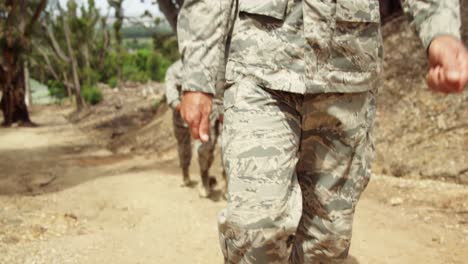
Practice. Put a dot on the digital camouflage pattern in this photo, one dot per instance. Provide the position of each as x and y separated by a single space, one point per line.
432 18
297 165
318 45
201 32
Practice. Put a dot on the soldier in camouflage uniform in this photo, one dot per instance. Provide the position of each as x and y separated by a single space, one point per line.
302 77
182 133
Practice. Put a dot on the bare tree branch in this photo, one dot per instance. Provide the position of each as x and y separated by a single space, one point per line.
37 14
47 60
54 43
80 103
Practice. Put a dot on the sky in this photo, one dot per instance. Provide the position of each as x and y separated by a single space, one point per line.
132 8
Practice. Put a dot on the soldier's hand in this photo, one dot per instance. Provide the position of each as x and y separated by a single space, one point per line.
196 109
448 59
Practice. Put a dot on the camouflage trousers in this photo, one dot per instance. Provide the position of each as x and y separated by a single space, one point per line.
184 147
296 167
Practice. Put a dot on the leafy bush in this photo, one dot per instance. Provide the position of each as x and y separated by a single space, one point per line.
137 76
138 43
139 66
141 57
157 66
110 68
134 66
170 49
112 82
131 73
89 76
57 89
92 94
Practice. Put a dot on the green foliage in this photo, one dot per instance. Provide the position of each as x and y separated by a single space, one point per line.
132 73
109 70
92 94
134 67
73 42
139 31
170 49
101 57
141 57
57 89
144 65
166 45
138 44
113 82
157 66
91 76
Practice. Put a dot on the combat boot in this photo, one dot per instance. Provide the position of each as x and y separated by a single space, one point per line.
204 190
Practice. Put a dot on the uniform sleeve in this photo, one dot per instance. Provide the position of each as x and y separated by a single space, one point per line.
172 81
202 32
433 18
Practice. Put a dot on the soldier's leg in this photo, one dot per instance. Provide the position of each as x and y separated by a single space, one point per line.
184 148
224 177
206 156
261 137
333 171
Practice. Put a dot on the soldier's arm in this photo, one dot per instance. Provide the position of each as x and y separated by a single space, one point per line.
172 81
438 25
433 18
202 32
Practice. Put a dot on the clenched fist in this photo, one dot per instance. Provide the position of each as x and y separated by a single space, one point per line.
448 59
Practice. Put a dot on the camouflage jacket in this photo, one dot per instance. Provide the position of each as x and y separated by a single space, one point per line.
308 46
173 83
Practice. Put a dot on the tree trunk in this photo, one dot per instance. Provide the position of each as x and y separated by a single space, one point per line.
13 98
119 57
86 55
68 85
170 11
87 63
80 103
105 46
27 86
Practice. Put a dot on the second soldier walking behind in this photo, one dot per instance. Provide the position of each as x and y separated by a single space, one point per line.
182 133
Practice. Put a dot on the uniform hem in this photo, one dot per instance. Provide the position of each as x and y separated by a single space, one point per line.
299 84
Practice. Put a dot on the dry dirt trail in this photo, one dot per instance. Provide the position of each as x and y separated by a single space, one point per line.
64 199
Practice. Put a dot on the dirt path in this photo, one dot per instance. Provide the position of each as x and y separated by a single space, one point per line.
66 200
